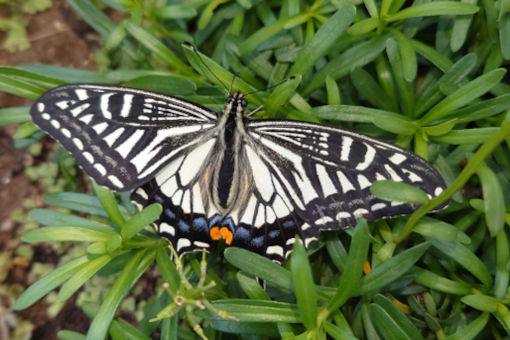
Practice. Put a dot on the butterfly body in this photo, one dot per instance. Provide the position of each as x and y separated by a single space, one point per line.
223 176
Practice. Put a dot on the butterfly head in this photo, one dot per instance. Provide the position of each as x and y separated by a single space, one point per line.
237 100
235 105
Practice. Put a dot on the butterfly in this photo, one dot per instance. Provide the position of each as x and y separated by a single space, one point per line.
222 176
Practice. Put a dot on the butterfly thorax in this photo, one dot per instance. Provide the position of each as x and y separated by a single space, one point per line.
226 159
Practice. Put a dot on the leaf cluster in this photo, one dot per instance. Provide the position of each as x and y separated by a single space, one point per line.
428 75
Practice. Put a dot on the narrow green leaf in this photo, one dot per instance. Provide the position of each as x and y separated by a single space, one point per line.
481 302
251 43
65 75
14 115
407 55
157 47
175 12
127 278
504 35
357 56
258 310
66 233
259 266
337 333
472 329
260 329
460 28
405 88
395 123
322 40
51 217
353 268
81 276
466 258
121 330
371 8
481 110
346 113
364 26
437 282
437 230
493 199
168 269
70 335
459 71
502 276
433 9
19 88
281 94
30 78
251 287
109 203
464 95
398 191
334 95
216 73
466 136
432 55
336 251
368 323
304 288
77 202
140 220
169 328
397 317
439 129
392 269
163 84
49 282
93 16
386 325
368 87
25 130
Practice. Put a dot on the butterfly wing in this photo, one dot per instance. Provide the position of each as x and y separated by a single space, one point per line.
121 137
310 177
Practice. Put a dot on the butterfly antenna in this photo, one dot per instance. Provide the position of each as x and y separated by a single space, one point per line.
208 68
232 83
272 86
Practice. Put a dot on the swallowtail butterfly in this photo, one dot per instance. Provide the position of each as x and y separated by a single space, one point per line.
223 176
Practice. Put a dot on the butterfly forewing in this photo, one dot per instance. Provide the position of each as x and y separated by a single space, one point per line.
329 171
121 137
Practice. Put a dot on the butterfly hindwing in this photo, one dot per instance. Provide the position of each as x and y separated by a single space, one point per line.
120 136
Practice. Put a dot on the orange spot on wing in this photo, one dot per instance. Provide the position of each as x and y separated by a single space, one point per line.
227 235
215 233
224 233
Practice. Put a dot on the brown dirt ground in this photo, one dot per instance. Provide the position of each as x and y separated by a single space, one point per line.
57 37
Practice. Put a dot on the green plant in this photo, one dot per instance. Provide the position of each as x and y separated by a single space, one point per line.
15 25
426 75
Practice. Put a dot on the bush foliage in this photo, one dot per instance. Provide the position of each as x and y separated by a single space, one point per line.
427 75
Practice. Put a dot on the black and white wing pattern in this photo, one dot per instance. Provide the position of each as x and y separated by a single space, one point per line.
255 184
326 173
120 136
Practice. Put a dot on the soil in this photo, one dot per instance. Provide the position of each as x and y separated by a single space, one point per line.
57 37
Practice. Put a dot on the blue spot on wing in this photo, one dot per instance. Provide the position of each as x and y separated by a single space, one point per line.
274 233
169 213
200 224
242 233
258 241
183 226
215 220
